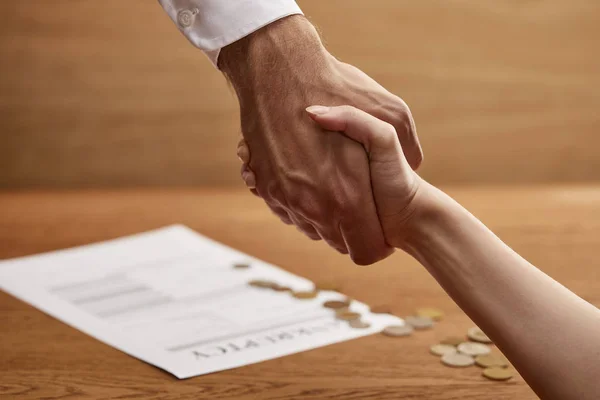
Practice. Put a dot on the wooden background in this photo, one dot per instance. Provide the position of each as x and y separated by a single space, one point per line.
108 93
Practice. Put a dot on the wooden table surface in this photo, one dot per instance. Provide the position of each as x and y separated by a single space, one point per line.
556 228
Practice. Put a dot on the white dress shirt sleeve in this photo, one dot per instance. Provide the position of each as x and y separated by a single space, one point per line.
213 24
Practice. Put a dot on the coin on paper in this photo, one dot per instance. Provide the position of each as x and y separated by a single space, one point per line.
432 313
305 295
347 315
381 309
490 360
442 349
335 304
419 323
477 335
498 373
241 265
281 288
473 349
263 284
398 330
453 340
457 360
359 324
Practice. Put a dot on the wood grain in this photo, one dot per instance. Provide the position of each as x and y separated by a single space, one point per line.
555 228
110 94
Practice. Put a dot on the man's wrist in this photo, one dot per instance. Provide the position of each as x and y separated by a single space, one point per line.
289 42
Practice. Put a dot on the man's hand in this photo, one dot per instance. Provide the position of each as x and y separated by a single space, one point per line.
319 182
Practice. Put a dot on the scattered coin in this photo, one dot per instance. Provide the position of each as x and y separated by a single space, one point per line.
280 288
490 360
457 360
381 309
477 335
347 315
442 349
241 265
432 313
498 373
359 324
398 330
259 283
328 286
453 341
473 349
305 295
419 323
336 304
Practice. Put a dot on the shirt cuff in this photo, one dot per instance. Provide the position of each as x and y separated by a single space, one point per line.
213 24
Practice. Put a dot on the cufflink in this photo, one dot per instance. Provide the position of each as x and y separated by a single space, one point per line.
185 18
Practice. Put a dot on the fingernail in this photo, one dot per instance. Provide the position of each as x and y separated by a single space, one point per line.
318 110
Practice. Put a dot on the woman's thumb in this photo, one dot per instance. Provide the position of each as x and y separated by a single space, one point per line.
378 137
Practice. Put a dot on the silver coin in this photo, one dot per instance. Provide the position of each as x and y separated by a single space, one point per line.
442 349
359 324
473 349
398 330
419 322
457 360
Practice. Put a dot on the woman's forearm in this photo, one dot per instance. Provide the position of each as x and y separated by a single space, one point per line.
549 334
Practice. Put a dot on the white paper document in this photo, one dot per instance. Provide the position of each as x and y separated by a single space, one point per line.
172 298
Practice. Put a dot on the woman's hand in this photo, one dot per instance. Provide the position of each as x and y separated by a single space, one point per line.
395 185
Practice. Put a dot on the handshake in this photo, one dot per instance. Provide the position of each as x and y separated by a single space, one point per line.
315 173
397 190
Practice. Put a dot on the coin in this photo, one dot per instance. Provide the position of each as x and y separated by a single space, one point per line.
442 349
490 360
453 341
241 265
457 360
335 304
381 309
498 373
347 315
473 349
419 323
259 283
328 286
281 288
398 330
359 324
305 295
477 335
432 313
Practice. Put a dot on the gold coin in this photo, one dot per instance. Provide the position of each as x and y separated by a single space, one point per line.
328 286
259 283
335 304
498 373
477 335
473 349
419 322
442 349
280 288
453 341
359 324
381 309
432 313
347 315
398 330
241 265
490 360
457 360
305 295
